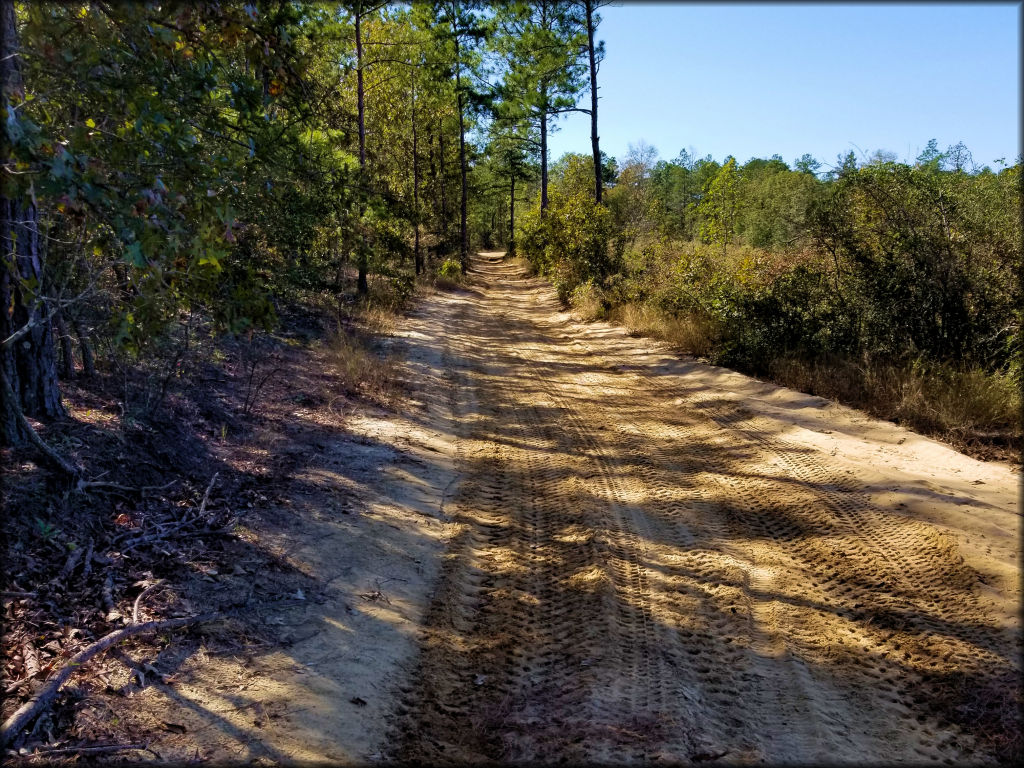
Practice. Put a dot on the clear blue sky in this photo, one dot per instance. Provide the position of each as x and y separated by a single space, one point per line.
752 80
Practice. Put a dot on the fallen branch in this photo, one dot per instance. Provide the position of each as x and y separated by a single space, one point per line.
142 594
96 750
87 568
206 496
108 593
34 706
175 532
71 564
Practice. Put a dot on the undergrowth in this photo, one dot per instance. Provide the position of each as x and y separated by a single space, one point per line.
785 317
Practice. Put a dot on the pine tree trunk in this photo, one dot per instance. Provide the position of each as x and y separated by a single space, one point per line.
464 208
27 362
417 256
593 100
543 158
512 218
361 286
444 186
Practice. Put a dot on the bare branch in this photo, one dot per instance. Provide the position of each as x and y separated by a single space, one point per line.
34 706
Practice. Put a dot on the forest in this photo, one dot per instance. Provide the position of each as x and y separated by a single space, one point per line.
192 192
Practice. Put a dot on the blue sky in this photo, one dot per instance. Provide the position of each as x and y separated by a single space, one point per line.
753 80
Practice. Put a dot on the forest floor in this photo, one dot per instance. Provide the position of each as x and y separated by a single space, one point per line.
568 544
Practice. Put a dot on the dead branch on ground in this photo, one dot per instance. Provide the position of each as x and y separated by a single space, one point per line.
34 706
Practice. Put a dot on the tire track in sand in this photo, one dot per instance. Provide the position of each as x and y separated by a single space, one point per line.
641 576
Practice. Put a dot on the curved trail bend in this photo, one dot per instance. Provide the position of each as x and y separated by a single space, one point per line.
658 560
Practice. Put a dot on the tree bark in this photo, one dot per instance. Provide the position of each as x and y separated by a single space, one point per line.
362 288
593 100
464 208
512 217
543 154
29 365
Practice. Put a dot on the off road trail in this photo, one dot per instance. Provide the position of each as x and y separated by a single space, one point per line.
577 546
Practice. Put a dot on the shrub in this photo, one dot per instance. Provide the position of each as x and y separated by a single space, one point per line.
587 302
570 242
450 270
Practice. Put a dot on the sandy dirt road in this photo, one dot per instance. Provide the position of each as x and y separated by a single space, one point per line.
573 545
659 560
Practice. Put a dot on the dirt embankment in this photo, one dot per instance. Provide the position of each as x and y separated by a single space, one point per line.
572 545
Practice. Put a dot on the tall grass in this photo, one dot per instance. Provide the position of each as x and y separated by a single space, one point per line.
361 372
689 333
968 407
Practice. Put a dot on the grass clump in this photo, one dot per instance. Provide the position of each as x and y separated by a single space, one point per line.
361 371
587 302
690 333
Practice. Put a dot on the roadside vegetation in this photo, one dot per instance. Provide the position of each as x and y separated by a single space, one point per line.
893 287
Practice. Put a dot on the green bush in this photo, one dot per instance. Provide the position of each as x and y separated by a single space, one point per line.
588 302
569 243
450 269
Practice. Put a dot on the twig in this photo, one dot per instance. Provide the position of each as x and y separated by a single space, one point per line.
87 567
206 496
108 593
176 530
142 594
34 706
71 564
16 593
97 750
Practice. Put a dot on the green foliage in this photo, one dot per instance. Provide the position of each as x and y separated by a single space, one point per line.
44 529
570 242
720 205
450 269
202 160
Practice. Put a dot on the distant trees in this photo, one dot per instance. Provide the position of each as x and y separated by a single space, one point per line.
541 44
720 206
879 260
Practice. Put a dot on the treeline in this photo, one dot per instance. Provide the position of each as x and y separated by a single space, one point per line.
893 286
173 171
176 166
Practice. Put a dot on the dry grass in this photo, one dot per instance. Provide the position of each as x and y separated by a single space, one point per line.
446 284
689 334
587 303
973 410
379 320
362 372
